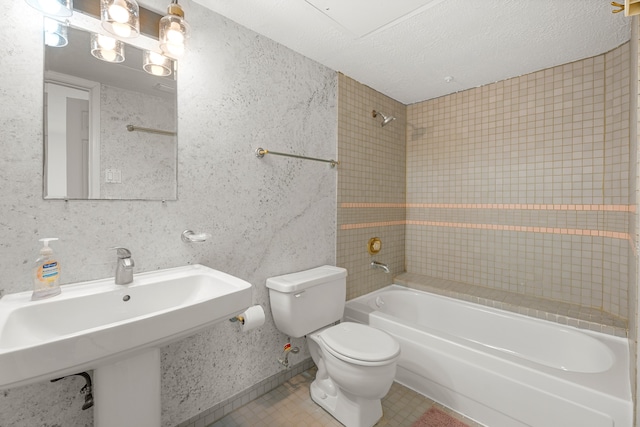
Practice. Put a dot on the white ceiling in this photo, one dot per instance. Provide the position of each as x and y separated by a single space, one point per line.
406 48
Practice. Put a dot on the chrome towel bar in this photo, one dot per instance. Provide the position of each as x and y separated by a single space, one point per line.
260 152
132 128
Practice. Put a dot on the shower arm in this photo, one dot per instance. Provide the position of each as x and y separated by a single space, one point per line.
386 118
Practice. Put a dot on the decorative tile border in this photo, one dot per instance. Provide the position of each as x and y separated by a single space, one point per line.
373 205
500 206
498 227
527 229
372 224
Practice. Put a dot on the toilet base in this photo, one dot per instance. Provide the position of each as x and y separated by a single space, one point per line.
349 410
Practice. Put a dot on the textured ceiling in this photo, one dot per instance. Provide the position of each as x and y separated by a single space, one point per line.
474 41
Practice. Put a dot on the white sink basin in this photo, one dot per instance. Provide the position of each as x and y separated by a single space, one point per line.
98 322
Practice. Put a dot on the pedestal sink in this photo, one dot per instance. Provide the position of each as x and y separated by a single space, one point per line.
115 330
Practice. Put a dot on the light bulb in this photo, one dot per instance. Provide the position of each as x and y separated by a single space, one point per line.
52 39
108 55
106 43
157 70
173 31
156 58
60 8
50 7
55 33
156 64
107 48
122 30
175 34
120 17
118 11
174 49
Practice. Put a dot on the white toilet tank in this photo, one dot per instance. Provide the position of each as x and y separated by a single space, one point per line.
308 300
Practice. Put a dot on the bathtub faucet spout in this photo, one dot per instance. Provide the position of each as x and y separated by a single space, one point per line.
381 266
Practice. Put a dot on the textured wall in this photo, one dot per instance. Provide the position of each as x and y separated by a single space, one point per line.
147 161
522 185
371 185
237 91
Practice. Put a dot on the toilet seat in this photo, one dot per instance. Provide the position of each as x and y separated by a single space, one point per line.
360 344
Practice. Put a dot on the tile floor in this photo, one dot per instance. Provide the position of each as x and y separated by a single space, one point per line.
290 405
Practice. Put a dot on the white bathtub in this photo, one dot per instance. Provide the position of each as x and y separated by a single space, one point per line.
500 368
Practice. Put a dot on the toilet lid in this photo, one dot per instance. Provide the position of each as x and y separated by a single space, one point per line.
361 342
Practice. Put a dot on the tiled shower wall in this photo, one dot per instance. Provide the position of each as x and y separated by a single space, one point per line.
371 185
522 185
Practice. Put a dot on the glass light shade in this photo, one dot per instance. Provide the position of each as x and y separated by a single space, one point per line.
173 33
157 64
55 33
62 8
120 17
107 48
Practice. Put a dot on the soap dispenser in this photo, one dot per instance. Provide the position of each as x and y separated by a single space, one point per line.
46 273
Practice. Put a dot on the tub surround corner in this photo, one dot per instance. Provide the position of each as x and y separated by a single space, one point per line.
564 313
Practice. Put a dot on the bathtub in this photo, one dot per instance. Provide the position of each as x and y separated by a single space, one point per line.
500 368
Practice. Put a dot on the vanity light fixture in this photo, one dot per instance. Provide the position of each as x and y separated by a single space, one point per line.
61 8
107 48
156 64
173 31
120 17
55 32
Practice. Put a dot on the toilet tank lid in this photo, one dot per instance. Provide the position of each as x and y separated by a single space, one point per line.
295 282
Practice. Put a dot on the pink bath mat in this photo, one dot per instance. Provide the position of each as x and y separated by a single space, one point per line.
436 418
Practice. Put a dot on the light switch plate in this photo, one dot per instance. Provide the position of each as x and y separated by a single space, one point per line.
113 176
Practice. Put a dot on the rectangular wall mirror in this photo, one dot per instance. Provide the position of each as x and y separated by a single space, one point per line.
110 129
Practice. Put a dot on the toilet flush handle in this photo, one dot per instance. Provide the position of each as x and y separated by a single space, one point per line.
299 294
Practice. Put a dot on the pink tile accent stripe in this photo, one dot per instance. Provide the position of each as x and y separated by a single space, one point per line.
372 224
520 228
503 206
527 229
373 205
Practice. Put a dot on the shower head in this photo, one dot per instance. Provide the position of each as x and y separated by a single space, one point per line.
385 119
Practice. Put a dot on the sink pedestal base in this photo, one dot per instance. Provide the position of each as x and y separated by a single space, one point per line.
127 393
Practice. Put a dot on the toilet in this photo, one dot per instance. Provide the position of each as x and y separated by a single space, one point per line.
356 363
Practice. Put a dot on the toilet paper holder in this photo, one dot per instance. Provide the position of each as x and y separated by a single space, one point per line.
252 318
238 318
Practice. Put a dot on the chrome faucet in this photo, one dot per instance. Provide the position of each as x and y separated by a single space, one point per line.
380 265
124 269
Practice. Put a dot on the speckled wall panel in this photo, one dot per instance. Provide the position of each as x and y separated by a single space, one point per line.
237 91
371 185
